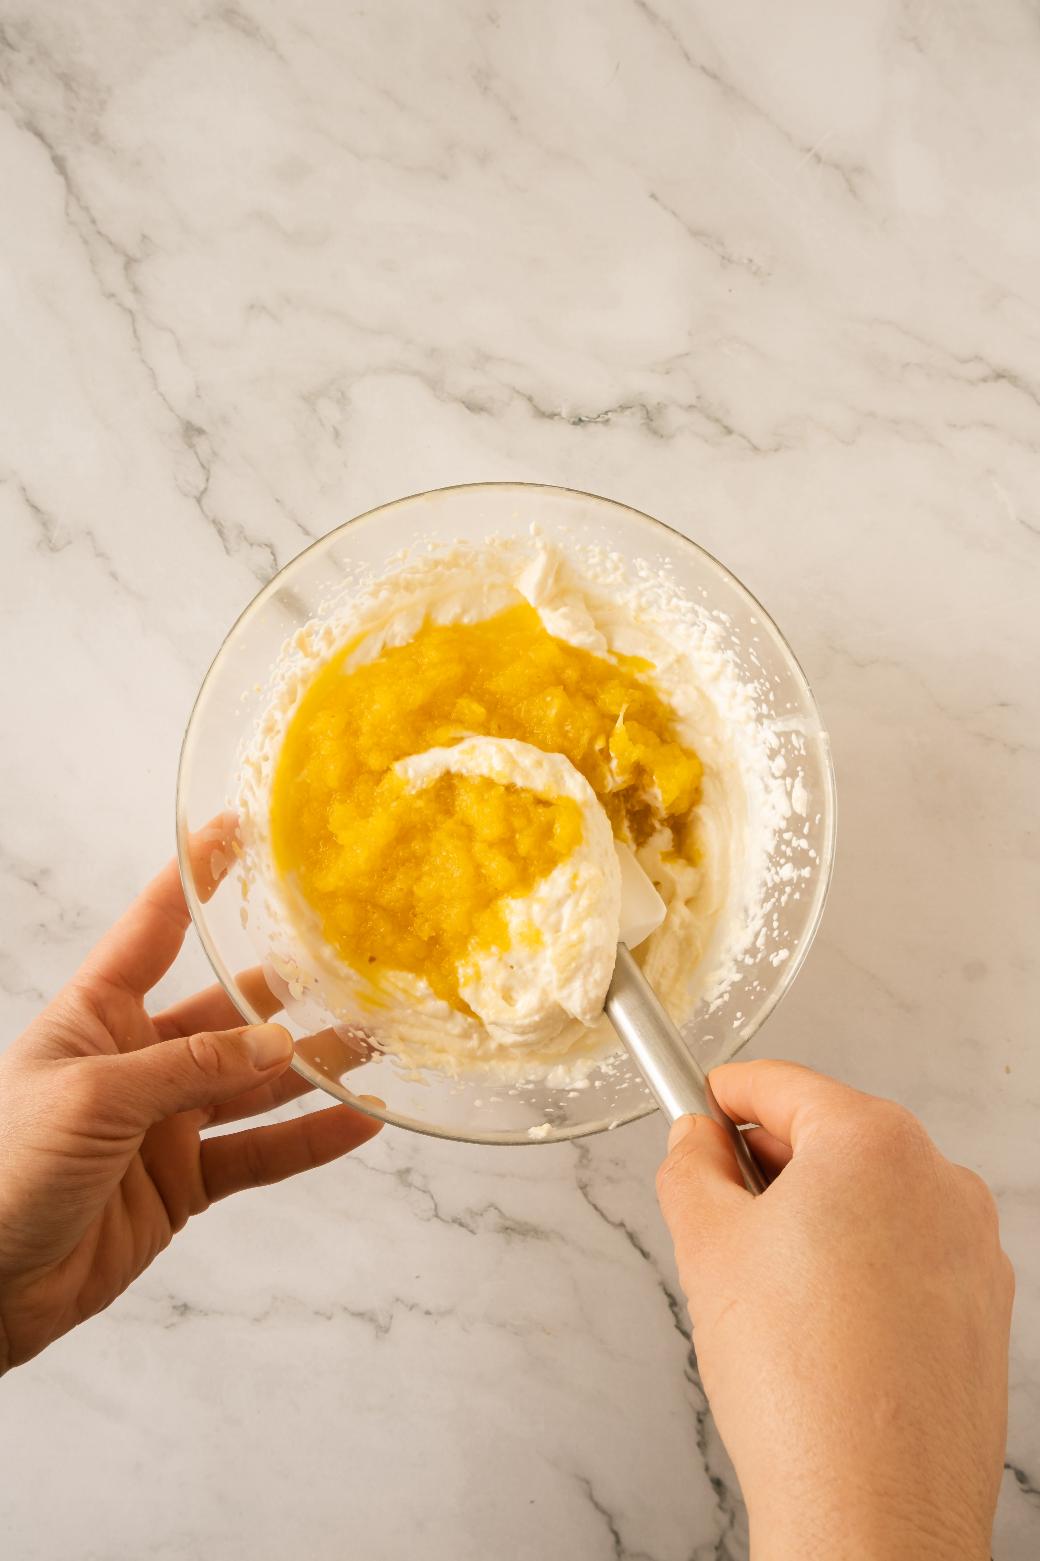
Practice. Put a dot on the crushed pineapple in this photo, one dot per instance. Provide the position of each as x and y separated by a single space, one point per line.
414 881
409 880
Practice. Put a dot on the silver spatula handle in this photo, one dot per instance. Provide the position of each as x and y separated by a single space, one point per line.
677 1080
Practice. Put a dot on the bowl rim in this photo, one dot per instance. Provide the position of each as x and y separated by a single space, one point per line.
514 1138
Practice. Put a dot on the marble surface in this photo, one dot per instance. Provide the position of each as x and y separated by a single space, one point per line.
769 272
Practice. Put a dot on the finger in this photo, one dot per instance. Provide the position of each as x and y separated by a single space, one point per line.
263 1155
769 1152
789 1101
699 1185
191 1072
146 939
290 1085
213 1009
332 1052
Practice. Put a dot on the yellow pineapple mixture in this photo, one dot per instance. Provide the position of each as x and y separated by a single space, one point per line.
414 881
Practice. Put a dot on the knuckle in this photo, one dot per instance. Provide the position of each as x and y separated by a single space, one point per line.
980 1201
87 1092
254 1171
663 1181
206 1053
978 1192
895 1129
672 1179
777 1065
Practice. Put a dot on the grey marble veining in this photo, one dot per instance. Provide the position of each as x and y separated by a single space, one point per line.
767 272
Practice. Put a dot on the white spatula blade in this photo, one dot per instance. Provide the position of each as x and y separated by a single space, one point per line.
642 908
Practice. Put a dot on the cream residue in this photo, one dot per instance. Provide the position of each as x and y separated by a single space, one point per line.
715 910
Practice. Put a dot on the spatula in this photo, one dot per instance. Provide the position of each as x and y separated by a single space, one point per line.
676 1079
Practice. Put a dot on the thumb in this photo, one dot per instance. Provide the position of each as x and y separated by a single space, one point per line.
195 1071
699 1186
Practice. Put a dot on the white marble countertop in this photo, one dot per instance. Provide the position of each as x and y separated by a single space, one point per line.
768 272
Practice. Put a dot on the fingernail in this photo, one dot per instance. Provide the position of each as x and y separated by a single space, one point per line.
373 1100
679 1130
267 1044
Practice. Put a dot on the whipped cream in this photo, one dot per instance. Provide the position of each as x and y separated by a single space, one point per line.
551 981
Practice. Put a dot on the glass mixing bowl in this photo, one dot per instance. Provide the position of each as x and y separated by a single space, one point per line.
235 693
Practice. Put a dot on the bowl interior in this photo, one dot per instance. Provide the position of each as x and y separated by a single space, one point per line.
234 695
